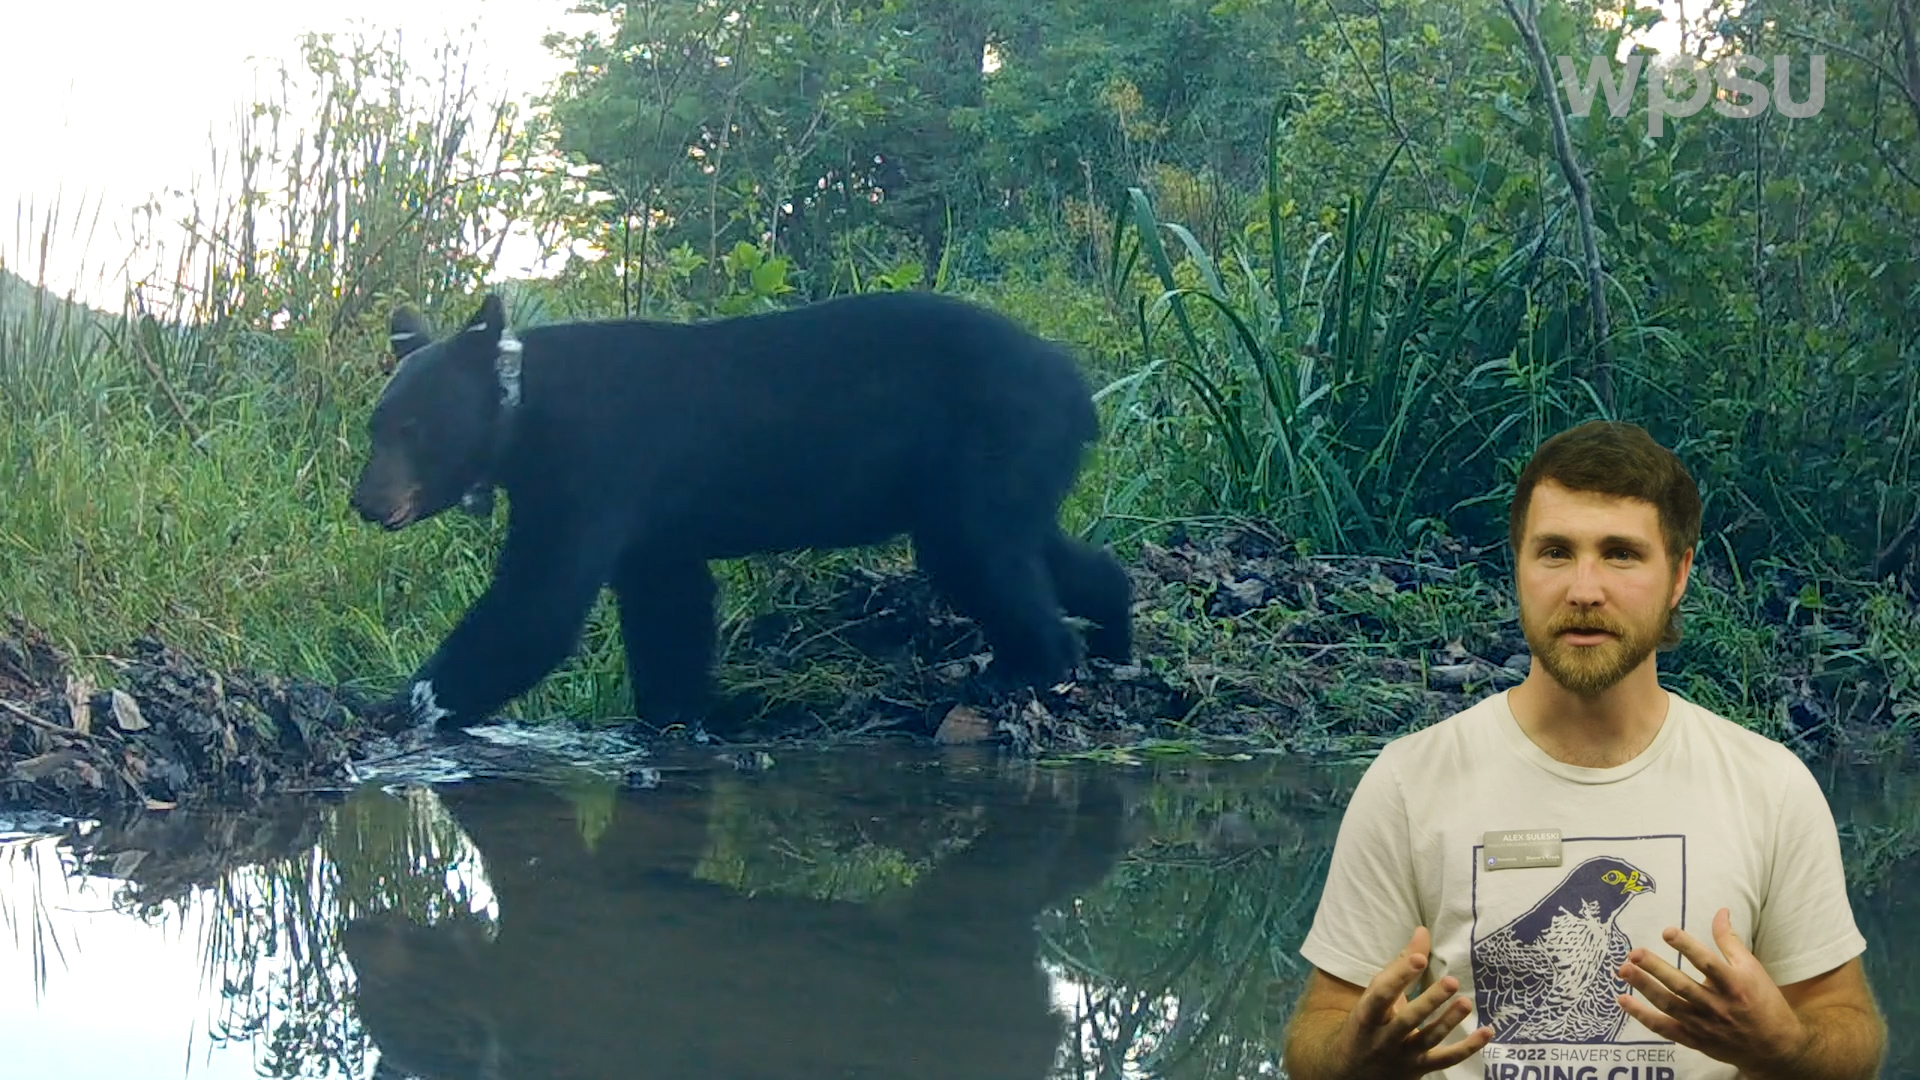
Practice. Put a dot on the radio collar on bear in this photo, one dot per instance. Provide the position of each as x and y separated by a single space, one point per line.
478 500
507 365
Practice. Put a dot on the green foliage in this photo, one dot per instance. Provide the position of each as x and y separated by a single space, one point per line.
754 281
181 466
1348 405
700 127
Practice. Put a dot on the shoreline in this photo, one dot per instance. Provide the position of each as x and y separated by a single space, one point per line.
1242 642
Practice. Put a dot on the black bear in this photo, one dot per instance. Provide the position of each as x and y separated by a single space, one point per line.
633 451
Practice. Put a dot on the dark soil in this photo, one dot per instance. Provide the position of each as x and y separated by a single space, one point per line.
168 731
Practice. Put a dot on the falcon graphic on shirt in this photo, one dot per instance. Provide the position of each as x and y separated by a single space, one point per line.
1550 974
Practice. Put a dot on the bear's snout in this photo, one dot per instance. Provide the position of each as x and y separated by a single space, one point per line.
389 516
383 499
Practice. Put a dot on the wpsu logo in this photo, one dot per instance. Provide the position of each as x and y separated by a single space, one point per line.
1723 73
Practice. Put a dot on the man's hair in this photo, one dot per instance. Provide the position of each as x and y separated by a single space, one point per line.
1613 457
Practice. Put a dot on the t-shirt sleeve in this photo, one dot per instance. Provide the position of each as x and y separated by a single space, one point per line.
1367 908
1805 926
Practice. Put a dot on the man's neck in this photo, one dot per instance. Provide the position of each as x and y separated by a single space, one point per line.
1596 733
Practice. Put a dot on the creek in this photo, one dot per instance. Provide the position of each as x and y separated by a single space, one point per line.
559 907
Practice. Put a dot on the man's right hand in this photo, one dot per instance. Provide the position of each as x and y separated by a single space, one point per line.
1382 1037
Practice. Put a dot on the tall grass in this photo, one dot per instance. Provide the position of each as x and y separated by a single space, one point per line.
1353 389
1387 369
181 464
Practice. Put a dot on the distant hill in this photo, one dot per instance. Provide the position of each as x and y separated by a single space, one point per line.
20 298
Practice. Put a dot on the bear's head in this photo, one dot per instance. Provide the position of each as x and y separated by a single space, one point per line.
436 429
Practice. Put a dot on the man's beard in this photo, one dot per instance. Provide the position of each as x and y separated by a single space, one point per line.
1587 670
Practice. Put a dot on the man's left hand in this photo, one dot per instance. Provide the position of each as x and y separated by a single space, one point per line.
1737 1016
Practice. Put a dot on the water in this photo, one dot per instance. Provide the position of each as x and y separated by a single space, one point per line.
552 910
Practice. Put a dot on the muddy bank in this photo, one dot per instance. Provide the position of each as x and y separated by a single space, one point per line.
166 731
873 653
1240 638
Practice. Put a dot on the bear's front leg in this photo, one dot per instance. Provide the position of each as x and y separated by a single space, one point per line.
525 625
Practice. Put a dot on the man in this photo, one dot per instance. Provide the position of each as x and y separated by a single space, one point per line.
1611 881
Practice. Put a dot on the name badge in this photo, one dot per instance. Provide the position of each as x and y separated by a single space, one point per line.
1512 849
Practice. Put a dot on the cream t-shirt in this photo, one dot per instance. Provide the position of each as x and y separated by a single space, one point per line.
1709 815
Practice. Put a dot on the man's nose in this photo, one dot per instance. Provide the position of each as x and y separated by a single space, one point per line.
1585 588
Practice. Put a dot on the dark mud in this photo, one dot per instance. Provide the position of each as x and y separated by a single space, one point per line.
166 730
1238 637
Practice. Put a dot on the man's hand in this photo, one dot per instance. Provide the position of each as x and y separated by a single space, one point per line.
1383 1037
1737 1016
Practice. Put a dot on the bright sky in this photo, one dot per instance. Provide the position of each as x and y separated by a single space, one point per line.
112 101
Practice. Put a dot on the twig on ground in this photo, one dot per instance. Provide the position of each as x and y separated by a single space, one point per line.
21 711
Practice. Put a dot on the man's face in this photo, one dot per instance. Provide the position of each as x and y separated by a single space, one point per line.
1594 584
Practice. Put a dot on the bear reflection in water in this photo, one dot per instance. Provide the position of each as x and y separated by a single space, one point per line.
619 963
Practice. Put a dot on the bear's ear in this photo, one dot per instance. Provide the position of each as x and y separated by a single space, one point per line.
490 320
407 331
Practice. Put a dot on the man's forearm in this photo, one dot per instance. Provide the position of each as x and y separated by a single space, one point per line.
1308 1054
1843 1043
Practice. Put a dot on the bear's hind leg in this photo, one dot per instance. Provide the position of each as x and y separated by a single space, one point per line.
666 603
1094 586
998 577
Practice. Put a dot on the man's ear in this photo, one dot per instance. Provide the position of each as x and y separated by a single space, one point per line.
1682 574
490 320
407 331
